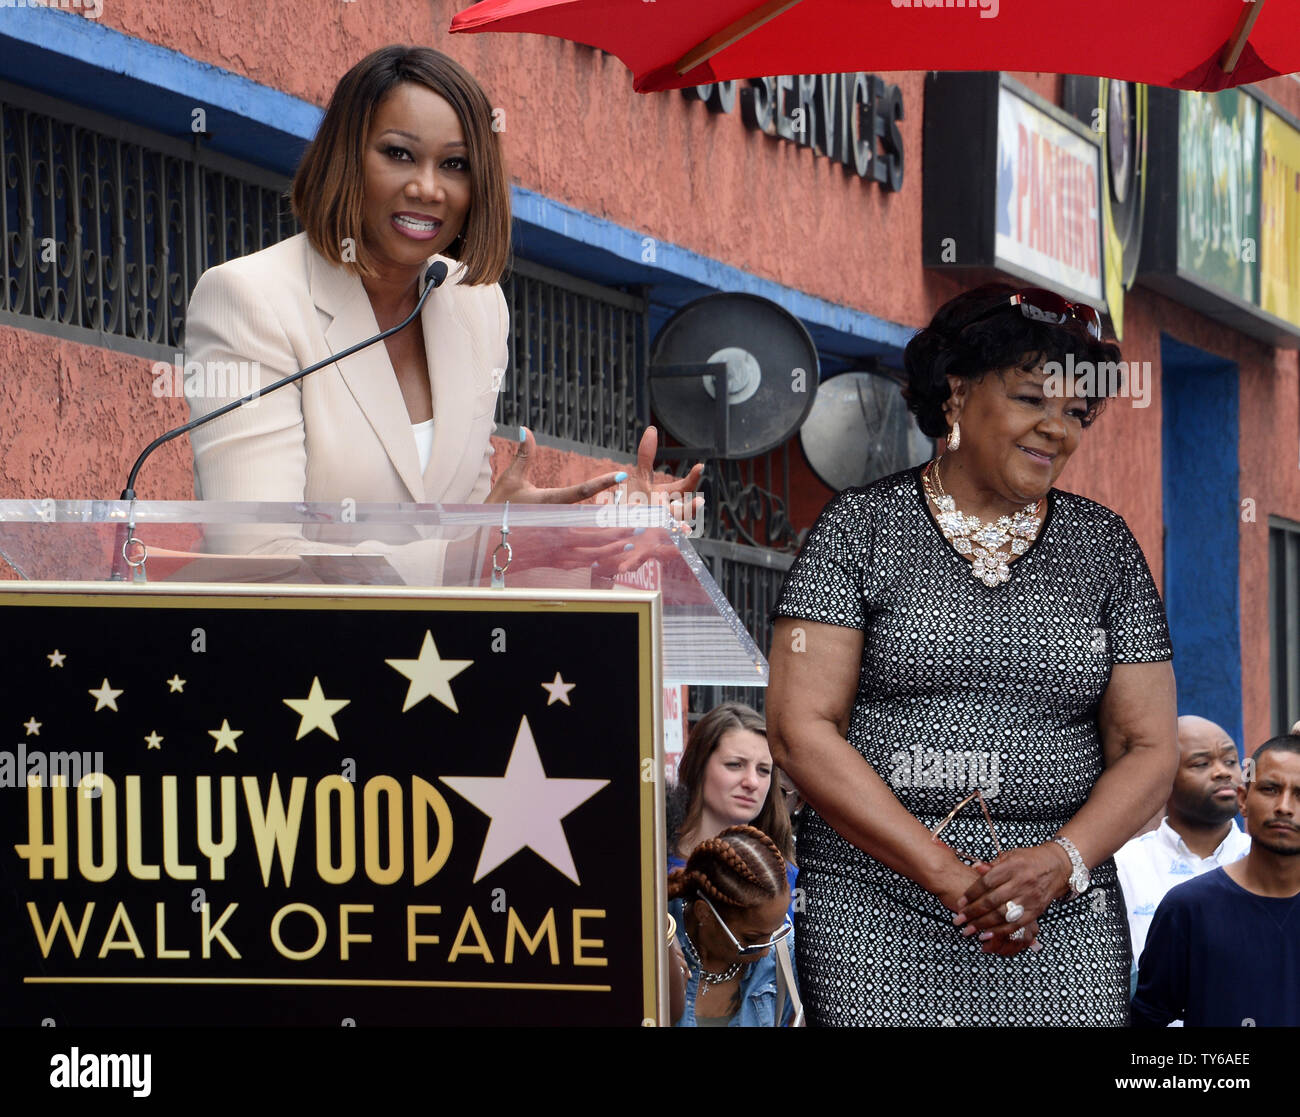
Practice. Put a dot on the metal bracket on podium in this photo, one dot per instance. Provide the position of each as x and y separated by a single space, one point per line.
499 572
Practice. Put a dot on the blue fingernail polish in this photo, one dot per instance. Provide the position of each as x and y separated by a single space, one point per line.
523 435
638 531
627 546
620 476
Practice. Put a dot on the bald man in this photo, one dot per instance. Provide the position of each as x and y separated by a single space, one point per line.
1197 833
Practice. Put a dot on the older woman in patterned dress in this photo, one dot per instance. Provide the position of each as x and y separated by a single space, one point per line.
965 626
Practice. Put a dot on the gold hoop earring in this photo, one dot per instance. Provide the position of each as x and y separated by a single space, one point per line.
954 436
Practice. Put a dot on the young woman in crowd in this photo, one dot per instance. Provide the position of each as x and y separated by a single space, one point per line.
726 778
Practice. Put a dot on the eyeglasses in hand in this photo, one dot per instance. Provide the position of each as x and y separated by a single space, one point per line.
934 834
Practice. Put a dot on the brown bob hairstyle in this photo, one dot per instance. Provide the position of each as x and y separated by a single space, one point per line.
327 191
707 733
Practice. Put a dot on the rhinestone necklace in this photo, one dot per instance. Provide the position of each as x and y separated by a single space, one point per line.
970 535
709 977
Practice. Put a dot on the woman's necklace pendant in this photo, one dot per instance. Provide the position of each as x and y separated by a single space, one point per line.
991 545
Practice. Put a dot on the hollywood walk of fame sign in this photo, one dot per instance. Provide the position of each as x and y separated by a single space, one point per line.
300 805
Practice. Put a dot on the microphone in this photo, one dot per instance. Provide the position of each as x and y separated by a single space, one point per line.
434 276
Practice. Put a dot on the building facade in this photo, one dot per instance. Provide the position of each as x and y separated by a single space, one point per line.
144 145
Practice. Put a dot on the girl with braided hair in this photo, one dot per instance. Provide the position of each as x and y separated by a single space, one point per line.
730 906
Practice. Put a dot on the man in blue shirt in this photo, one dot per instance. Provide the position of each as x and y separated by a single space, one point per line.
1224 948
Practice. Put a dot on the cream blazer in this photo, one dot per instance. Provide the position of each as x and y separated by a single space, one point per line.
344 431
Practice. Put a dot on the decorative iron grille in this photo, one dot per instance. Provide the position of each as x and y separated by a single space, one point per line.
751 579
749 501
578 354
106 226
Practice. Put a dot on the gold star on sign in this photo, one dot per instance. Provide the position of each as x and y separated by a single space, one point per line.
56 658
154 741
317 711
225 736
430 675
105 696
176 683
32 726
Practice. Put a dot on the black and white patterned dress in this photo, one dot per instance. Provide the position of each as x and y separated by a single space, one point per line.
964 686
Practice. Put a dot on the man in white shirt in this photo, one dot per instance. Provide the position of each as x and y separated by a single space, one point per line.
1197 833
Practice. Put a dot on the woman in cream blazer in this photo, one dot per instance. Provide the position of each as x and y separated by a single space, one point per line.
341 432
405 168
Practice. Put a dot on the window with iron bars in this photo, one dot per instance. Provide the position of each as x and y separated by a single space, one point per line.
106 227
578 354
1284 621
750 578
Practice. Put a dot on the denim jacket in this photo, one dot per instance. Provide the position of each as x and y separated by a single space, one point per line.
757 986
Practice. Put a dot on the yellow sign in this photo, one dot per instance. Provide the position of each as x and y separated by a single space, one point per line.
1279 218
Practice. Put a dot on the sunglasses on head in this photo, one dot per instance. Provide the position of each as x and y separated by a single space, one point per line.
1040 305
757 948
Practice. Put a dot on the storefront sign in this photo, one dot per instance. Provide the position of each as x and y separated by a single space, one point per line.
1279 217
1028 205
675 731
1218 216
851 118
1221 226
1048 213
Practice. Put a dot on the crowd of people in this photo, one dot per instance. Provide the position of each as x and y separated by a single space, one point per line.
1212 910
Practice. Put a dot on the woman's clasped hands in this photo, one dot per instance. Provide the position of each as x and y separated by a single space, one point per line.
1010 894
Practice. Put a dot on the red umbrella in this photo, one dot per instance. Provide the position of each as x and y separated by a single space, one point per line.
1202 44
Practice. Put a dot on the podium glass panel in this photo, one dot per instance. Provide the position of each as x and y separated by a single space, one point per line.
548 547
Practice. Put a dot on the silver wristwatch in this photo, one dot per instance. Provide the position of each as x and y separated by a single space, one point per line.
1079 877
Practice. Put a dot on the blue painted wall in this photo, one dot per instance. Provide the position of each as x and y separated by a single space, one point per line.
1202 521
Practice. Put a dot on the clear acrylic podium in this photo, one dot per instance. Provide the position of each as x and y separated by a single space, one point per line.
422 708
609 547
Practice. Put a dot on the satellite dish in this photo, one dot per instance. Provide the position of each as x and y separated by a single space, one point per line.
859 430
771 371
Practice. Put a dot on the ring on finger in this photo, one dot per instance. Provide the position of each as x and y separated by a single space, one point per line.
1014 911
1017 934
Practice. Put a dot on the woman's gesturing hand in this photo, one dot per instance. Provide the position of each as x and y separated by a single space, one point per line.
681 494
1031 878
513 484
